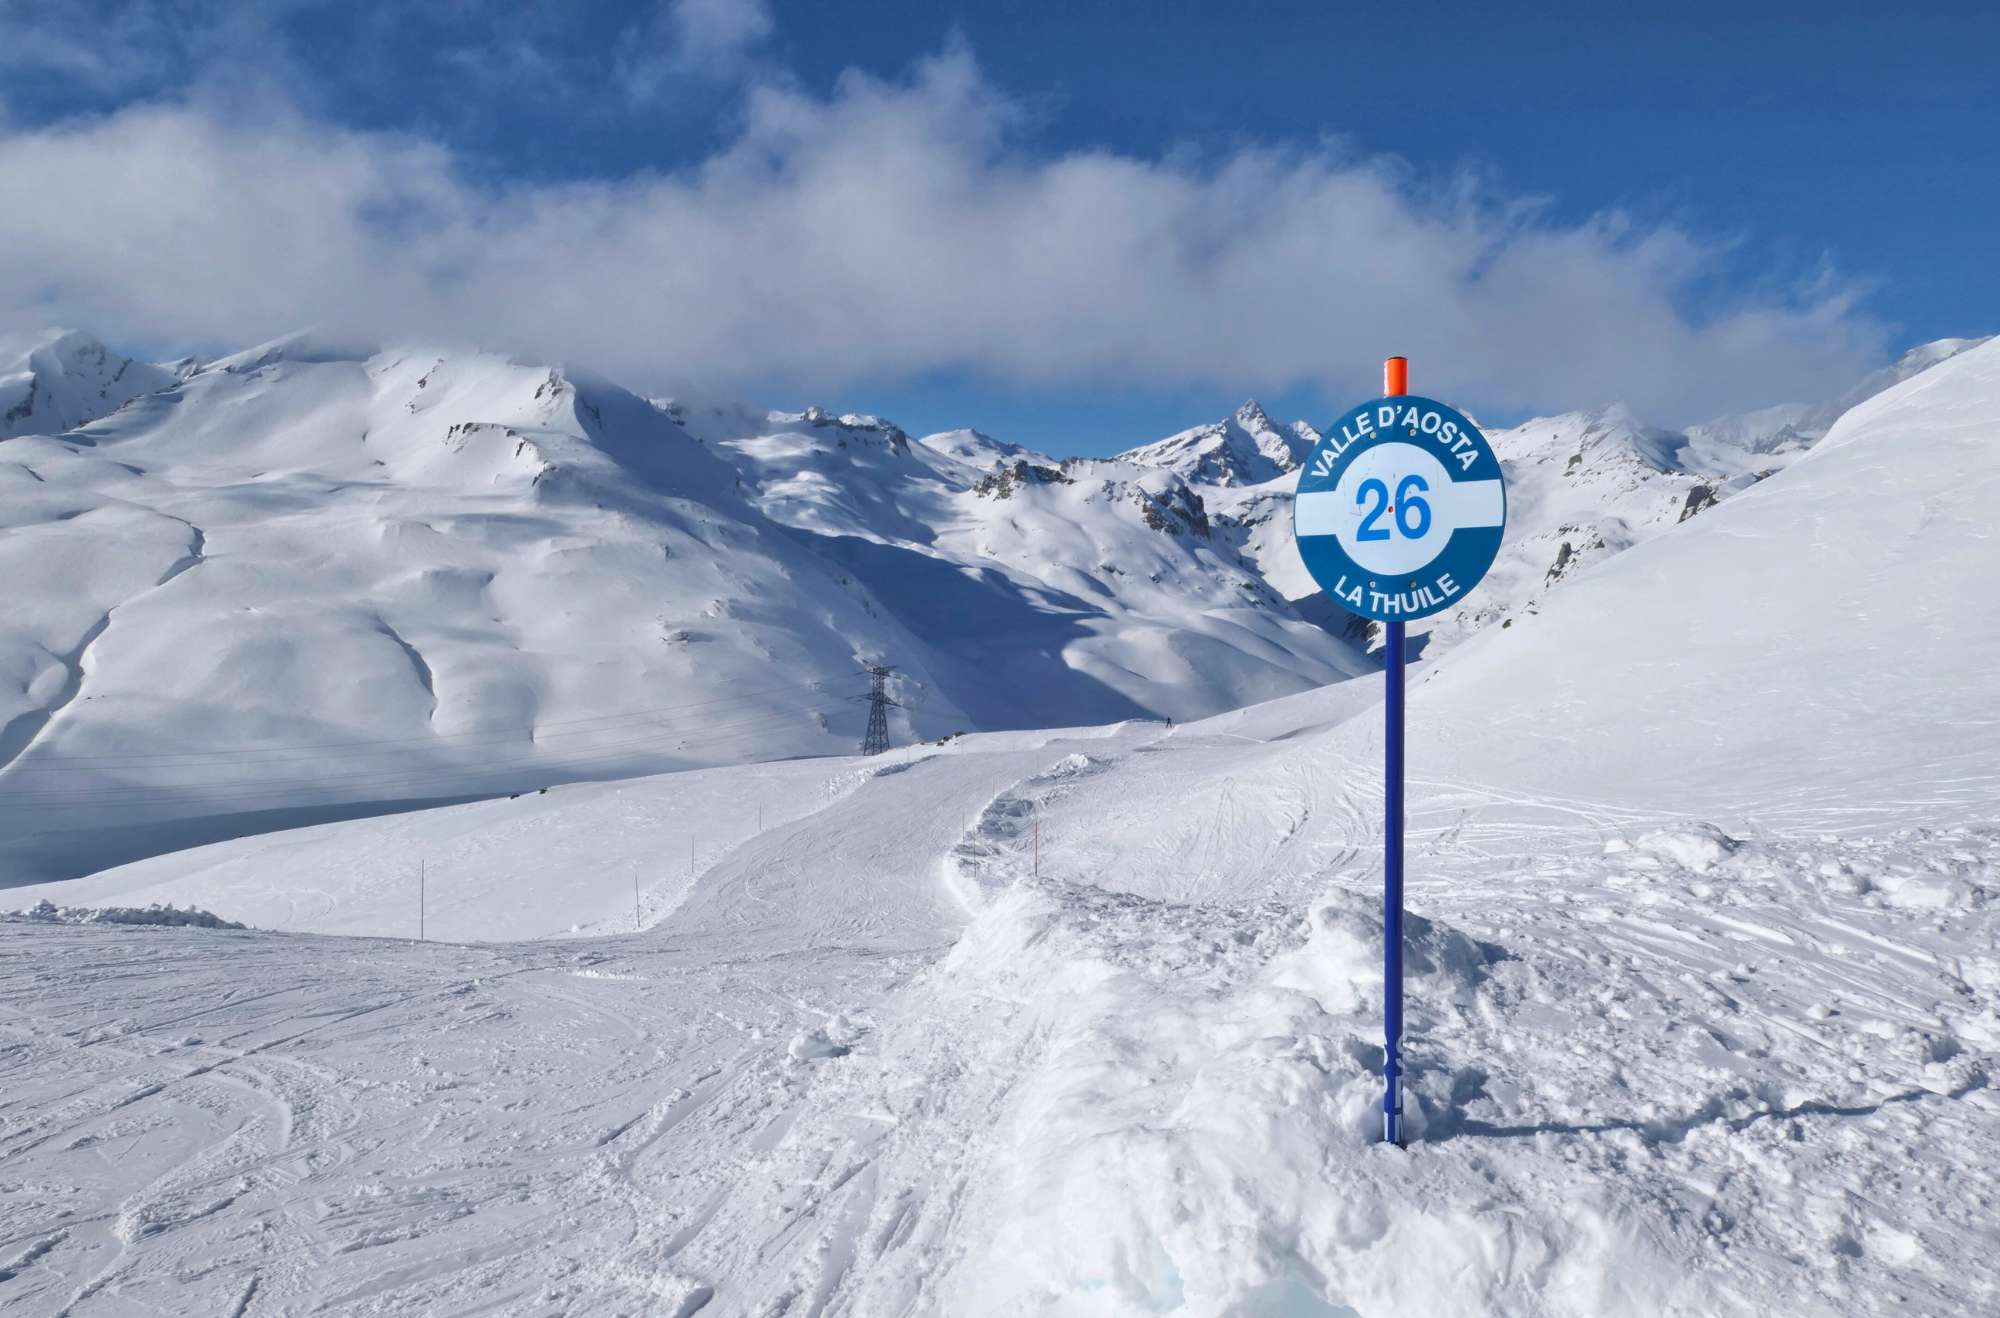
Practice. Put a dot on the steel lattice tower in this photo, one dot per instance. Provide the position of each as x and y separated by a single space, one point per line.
877 739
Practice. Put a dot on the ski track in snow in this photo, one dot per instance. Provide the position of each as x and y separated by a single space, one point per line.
1656 1071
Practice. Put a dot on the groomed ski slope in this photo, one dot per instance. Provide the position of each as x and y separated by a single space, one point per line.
1704 1003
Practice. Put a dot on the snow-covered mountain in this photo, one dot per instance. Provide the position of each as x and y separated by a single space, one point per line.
318 578
1248 448
55 379
1581 487
315 576
947 531
1703 1009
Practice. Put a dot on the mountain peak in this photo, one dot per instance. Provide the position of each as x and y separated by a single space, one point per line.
1248 448
846 425
1253 416
58 379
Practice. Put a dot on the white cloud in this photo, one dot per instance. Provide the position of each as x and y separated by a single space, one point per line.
890 229
711 40
720 29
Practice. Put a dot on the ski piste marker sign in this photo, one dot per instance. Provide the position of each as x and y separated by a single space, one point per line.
1399 513
1400 508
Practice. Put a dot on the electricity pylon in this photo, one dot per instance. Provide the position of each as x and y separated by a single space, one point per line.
877 739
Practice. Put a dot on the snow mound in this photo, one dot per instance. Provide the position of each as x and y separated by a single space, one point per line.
1340 962
833 1037
1698 847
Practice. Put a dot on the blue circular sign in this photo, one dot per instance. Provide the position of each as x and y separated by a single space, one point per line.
1400 509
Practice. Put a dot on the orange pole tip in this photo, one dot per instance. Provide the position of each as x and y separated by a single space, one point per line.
1396 377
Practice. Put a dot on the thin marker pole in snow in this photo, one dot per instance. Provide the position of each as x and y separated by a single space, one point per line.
1038 842
420 901
635 901
1395 383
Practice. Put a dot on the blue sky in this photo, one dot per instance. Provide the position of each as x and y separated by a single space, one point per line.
1077 226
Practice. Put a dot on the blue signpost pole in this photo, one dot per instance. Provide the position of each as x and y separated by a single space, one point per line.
1392 886
1395 384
